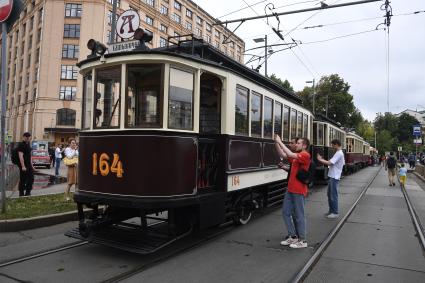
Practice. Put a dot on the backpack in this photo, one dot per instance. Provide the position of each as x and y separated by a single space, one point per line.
15 156
391 163
307 176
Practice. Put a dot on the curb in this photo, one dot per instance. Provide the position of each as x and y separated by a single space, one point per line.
419 176
15 225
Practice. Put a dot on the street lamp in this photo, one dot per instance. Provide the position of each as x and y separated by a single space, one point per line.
314 94
263 39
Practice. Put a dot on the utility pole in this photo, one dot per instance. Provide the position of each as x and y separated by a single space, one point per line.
113 21
314 95
265 55
327 104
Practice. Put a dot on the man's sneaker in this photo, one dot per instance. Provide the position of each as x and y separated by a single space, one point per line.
289 240
299 245
332 216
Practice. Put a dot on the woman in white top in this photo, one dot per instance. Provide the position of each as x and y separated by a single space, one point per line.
71 152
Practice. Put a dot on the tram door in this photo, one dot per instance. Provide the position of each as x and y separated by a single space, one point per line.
209 130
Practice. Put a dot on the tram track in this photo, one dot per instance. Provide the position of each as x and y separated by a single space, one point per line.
306 269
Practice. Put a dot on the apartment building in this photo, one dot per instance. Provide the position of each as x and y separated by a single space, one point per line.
50 37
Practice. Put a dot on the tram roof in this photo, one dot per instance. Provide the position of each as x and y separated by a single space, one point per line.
323 118
206 54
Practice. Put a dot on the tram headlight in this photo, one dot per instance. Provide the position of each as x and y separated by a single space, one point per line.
143 36
96 47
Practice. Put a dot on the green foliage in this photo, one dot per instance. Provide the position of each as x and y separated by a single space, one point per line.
385 141
285 84
25 207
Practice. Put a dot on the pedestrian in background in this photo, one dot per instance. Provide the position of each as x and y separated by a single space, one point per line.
403 174
390 165
71 153
335 164
58 158
52 155
297 191
26 169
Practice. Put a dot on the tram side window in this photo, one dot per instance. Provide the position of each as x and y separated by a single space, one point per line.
350 145
268 118
299 124
87 101
285 123
278 118
320 134
293 123
256 115
241 111
180 106
144 93
305 126
107 98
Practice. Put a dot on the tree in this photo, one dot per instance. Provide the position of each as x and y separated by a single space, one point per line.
331 94
366 130
285 84
405 126
386 141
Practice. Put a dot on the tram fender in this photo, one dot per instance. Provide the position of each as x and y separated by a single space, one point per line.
212 210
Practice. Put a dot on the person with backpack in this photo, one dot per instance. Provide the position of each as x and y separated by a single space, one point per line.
390 165
21 156
294 200
336 164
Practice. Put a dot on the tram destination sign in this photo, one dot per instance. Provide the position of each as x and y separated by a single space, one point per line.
123 46
127 24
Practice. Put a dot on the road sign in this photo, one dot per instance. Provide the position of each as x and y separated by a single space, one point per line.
399 148
416 130
417 141
5 9
127 23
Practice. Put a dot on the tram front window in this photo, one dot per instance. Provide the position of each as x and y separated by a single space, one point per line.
180 107
107 98
144 94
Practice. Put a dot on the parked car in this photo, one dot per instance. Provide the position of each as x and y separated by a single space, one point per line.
40 158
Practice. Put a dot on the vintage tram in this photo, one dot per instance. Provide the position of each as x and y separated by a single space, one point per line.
358 153
183 130
324 131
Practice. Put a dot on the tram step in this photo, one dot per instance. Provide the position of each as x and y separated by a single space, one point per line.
132 240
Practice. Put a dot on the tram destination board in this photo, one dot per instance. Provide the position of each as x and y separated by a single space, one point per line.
123 46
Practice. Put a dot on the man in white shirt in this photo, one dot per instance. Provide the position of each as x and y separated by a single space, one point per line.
336 164
58 158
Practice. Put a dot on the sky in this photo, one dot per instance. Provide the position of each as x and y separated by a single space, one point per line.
362 55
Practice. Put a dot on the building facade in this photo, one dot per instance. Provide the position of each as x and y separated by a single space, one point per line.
50 37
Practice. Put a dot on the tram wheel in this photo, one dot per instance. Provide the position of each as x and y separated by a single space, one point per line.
244 210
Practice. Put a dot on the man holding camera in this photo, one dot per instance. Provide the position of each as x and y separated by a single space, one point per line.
294 200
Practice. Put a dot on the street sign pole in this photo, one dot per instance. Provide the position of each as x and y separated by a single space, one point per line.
3 113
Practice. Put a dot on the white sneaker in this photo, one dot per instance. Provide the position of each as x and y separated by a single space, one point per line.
299 245
332 216
288 241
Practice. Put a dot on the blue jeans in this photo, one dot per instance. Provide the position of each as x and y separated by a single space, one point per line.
57 165
333 195
294 204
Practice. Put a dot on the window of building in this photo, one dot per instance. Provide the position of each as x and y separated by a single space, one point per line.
198 20
216 44
112 2
256 113
163 28
73 10
149 20
188 25
38 35
67 92
71 31
217 33
180 106
70 51
26 97
107 98
208 38
69 72
150 2
144 95
268 118
163 10
65 117
27 80
177 18
30 42
198 32
285 133
40 16
208 27
87 101
241 111
189 13
34 93
162 42
110 17
278 118
177 5
31 25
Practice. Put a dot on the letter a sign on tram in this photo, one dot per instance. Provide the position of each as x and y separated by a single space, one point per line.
5 9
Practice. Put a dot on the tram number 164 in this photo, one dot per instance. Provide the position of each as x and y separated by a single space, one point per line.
102 165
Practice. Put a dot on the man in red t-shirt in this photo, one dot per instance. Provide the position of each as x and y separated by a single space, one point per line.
294 200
